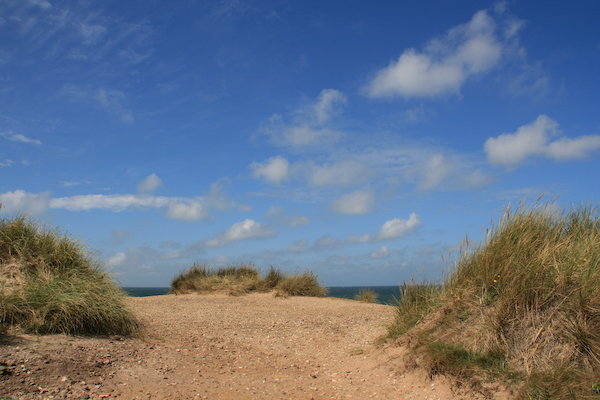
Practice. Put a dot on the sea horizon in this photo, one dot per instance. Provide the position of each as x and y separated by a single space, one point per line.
385 294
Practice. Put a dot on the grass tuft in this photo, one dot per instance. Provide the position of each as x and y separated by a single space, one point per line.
523 305
245 278
50 283
366 295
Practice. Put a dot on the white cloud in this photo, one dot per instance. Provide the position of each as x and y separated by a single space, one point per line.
381 252
356 203
466 50
247 229
179 208
326 104
308 128
115 202
188 212
342 173
6 163
391 229
17 137
398 227
149 184
275 170
116 260
20 201
511 149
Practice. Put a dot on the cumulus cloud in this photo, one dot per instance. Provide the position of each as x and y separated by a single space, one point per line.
356 203
20 201
275 170
149 184
445 64
17 137
510 149
309 127
247 229
391 229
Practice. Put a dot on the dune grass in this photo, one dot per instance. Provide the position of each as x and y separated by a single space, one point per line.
523 307
50 283
245 278
366 295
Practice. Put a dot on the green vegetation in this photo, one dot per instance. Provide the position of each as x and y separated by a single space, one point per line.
49 283
365 295
522 308
245 278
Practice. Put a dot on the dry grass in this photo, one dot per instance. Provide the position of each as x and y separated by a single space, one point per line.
522 307
365 295
50 283
245 278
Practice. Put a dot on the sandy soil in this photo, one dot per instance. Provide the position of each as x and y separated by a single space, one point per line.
220 347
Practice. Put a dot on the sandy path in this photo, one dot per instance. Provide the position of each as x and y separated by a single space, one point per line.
220 347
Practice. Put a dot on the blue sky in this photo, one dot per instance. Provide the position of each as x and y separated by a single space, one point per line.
357 139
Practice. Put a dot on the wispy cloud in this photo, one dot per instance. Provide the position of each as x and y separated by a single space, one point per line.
348 172
325 242
511 149
391 229
277 215
17 137
6 163
110 100
309 126
178 208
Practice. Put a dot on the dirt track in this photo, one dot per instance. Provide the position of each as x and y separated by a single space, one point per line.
220 347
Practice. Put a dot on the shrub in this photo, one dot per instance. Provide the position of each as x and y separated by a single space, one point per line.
49 283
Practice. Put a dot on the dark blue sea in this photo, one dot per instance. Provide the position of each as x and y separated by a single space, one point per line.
385 294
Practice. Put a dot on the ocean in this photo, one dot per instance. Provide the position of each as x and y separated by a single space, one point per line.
385 294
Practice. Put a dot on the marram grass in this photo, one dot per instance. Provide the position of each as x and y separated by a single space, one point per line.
50 283
245 278
522 307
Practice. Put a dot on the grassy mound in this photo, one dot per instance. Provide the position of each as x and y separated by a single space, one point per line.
49 283
245 278
521 308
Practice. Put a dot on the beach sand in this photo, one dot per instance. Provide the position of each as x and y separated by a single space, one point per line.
255 346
